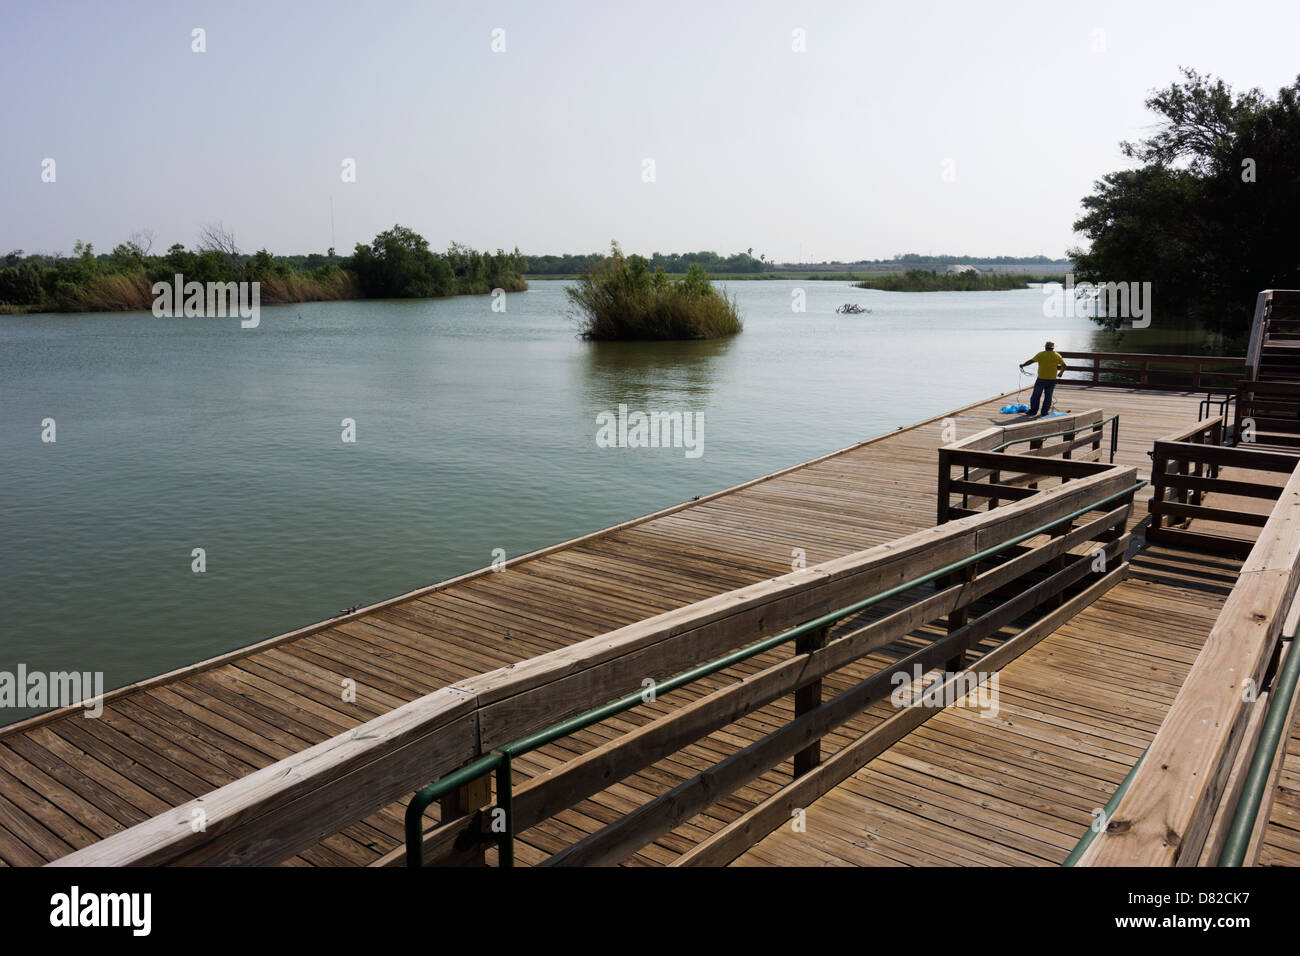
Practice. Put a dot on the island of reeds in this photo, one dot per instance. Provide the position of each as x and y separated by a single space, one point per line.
621 298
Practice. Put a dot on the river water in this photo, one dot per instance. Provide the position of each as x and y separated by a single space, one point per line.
475 430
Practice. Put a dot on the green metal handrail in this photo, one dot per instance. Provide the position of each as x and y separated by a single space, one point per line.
499 760
1086 840
1114 435
1243 821
1275 726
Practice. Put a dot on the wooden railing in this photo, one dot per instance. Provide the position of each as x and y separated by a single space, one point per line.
1267 413
1148 371
1025 568
1037 454
1180 800
1187 466
1276 322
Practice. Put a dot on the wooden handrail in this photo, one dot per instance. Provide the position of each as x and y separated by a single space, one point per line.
1208 431
1223 370
977 456
1166 815
1157 357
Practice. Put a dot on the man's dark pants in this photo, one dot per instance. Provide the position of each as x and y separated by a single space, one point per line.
1043 388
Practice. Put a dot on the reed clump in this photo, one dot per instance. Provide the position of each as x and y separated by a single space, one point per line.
620 298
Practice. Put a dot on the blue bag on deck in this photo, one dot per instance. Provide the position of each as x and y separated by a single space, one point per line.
1014 409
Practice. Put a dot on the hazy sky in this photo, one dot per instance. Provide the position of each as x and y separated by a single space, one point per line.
837 152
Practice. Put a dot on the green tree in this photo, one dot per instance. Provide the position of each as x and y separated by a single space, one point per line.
398 264
1208 215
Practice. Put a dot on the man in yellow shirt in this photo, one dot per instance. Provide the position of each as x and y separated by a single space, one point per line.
1050 367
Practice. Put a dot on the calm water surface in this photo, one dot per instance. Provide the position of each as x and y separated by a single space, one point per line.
475 430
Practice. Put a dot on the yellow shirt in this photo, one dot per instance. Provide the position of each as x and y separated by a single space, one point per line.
1048 362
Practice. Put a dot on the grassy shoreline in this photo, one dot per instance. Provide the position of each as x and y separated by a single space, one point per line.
272 292
917 280
1020 280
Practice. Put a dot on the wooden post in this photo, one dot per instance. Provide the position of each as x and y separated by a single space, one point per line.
1059 562
1158 465
1214 440
807 698
1096 370
1183 468
945 478
1236 415
958 618
467 799
1114 534
1197 495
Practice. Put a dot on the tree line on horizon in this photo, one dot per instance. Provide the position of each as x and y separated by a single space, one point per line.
398 263
930 280
675 263
744 263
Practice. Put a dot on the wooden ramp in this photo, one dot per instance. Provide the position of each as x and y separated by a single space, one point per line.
67 782
1019 783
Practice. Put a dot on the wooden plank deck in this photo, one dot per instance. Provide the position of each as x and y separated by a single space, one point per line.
1020 788
67 781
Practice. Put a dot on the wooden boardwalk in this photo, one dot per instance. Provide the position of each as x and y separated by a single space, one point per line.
67 781
1020 787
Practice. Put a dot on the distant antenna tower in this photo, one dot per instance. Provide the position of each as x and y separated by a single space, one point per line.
333 244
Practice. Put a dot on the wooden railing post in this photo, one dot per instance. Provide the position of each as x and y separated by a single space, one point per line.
1182 469
945 479
1158 466
807 698
466 800
960 616
1059 562
1238 416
